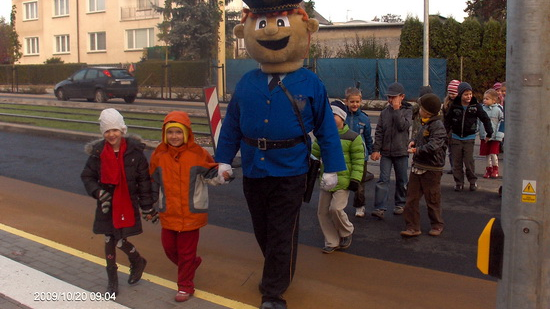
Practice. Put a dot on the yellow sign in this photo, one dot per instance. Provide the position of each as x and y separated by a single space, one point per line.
529 192
529 189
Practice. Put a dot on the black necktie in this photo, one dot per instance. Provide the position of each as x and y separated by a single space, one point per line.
274 81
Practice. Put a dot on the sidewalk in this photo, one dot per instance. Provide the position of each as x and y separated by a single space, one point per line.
36 274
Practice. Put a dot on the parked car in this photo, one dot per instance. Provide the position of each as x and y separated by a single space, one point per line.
98 84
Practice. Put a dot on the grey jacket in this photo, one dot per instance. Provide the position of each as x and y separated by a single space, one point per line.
391 136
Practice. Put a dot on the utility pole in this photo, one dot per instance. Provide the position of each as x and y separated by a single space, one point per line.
221 54
525 218
426 46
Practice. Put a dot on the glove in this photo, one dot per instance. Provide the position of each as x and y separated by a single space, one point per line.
224 169
353 185
104 196
105 207
150 215
329 181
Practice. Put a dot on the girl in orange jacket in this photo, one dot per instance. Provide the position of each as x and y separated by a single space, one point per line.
180 171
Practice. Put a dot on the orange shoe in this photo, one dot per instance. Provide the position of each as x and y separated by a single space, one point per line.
410 233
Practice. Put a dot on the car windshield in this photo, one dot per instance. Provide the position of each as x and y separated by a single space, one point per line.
120 73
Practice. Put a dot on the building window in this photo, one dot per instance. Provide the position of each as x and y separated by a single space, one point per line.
98 41
140 38
96 5
61 7
146 4
62 44
31 46
31 10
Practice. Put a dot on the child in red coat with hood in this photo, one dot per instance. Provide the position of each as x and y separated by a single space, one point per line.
180 171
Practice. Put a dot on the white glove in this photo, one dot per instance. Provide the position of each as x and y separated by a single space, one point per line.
329 181
224 168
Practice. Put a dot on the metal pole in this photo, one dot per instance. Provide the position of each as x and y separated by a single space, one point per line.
526 187
426 45
221 53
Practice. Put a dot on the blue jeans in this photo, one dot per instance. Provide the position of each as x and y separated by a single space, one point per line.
382 190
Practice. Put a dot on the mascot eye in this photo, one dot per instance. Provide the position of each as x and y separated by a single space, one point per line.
282 21
261 23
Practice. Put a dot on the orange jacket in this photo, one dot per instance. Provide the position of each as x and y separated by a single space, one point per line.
180 175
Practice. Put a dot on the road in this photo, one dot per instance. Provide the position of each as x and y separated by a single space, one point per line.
57 163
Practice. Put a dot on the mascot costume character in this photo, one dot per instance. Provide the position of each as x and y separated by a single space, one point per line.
270 131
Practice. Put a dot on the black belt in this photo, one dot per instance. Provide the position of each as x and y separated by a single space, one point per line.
265 144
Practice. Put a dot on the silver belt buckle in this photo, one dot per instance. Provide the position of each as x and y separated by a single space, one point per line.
262 144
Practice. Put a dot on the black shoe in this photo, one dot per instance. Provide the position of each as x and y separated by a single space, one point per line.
345 242
369 176
136 270
328 249
273 305
473 187
459 187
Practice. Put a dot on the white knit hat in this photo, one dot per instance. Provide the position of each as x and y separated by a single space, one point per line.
109 119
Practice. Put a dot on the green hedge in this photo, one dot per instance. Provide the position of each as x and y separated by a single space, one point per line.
38 74
148 73
182 73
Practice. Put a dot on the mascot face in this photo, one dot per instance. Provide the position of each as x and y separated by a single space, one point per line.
278 43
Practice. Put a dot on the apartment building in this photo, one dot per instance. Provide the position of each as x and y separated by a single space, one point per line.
86 31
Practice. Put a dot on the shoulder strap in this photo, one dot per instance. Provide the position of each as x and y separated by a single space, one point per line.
297 113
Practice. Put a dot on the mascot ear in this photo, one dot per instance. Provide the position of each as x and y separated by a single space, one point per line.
238 31
312 25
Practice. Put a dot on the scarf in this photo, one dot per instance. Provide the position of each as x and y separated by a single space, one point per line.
113 173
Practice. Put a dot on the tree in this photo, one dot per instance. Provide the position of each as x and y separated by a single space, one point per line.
193 28
411 38
483 10
392 18
5 30
318 50
363 48
309 7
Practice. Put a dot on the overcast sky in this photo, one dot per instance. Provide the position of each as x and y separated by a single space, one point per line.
343 10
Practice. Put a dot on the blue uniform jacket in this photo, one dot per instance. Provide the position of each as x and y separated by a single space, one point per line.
255 112
359 122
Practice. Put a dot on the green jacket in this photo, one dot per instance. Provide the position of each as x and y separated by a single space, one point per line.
354 155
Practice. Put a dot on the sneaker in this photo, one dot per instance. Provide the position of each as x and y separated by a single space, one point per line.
473 187
182 296
397 210
379 213
345 242
410 233
360 212
459 187
328 250
436 231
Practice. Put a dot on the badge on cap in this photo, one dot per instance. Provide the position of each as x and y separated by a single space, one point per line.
269 6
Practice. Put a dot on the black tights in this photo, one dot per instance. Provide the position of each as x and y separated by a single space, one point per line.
122 244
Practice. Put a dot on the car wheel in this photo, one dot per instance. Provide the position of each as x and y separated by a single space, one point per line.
90 99
100 96
130 99
60 94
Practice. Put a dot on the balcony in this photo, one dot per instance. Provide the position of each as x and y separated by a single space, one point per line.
135 13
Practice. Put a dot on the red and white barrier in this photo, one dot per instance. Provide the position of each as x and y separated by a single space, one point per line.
214 114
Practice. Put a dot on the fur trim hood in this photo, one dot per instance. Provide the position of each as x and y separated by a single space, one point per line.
96 146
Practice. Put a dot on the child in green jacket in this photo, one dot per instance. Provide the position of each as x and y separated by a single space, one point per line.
334 222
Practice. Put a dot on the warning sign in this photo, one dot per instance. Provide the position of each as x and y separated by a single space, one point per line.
529 192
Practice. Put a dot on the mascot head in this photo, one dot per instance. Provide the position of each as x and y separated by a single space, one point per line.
276 34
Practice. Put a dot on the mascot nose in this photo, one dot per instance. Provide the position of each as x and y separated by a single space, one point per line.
271 29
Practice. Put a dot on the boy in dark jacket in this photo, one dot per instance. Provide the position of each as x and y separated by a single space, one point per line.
391 138
461 122
428 149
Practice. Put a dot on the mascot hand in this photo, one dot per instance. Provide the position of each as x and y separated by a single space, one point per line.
329 181
225 173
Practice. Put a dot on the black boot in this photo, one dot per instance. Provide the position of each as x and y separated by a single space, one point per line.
137 265
112 286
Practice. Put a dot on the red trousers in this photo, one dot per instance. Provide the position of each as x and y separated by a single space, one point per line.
181 249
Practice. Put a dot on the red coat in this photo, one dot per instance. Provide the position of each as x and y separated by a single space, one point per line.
181 174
